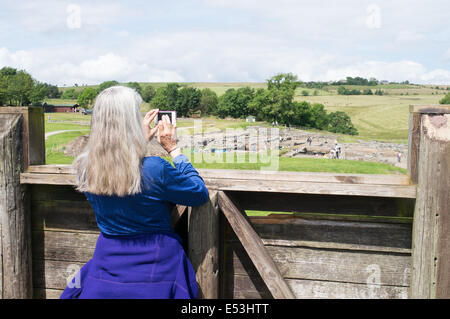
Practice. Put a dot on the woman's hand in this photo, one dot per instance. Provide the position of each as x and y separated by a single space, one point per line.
167 136
149 132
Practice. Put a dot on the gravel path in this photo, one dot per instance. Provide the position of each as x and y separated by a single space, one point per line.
63 131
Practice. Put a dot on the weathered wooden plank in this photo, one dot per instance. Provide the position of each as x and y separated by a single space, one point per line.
431 230
49 179
64 246
63 215
243 287
413 146
15 237
352 266
312 188
400 191
430 109
262 175
32 133
40 293
42 192
254 248
203 243
329 204
294 228
335 246
51 169
53 274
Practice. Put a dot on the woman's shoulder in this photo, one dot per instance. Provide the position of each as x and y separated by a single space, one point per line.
154 165
154 162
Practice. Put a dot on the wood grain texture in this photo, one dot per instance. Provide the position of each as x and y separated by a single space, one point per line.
413 146
32 133
203 243
431 232
255 249
293 228
41 293
314 183
53 274
325 204
244 287
64 245
337 265
318 269
15 237
261 175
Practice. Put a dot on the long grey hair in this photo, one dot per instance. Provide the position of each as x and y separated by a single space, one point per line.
111 161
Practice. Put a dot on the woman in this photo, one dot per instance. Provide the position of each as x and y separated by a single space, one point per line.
137 253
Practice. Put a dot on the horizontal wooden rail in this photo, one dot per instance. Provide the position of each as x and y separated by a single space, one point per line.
396 186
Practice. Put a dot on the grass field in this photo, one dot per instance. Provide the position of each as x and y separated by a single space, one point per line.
382 118
294 164
55 147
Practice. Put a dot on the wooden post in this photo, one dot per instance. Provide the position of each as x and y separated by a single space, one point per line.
15 233
203 243
430 276
413 144
33 135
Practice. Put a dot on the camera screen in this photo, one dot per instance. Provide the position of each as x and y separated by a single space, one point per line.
170 114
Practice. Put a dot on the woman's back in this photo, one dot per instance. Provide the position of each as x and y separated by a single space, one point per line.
162 186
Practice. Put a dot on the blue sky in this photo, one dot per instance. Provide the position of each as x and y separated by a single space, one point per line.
87 42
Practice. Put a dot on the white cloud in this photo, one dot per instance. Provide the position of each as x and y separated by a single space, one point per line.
446 55
59 16
438 76
408 36
230 40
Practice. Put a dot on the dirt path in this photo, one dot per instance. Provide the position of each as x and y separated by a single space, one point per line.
63 131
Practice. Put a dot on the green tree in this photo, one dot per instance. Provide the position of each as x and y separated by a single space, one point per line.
148 92
445 99
283 80
106 84
172 95
86 98
136 86
159 101
70 94
319 117
38 93
342 90
19 88
340 122
52 91
208 101
260 105
188 101
234 103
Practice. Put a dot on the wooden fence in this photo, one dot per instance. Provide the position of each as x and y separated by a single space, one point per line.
346 235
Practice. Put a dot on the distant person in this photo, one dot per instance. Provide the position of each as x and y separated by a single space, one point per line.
337 149
137 255
399 157
309 140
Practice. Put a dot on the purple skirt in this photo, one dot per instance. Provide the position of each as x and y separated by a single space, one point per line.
149 266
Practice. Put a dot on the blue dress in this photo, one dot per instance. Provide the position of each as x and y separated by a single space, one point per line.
137 254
